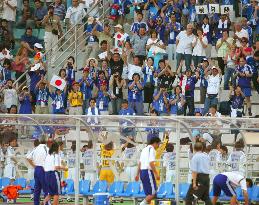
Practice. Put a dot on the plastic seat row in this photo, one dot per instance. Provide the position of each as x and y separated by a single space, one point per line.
39 33
19 181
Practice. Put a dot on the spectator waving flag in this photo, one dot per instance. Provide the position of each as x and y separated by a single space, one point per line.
58 82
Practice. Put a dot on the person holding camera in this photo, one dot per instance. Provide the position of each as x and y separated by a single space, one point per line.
52 32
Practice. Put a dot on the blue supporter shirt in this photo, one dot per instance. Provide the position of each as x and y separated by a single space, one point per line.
173 33
42 96
58 103
128 111
102 101
177 108
6 73
190 86
160 29
148 75
152 132
245 82
86 90
35 78
159 105
31 40
237 101
135 95
71 73
136 26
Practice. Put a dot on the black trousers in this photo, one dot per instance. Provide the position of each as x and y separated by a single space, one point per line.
189 102
203 183
221 64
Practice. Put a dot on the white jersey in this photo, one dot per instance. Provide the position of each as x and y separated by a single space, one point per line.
130 154
169 159
236 180
9 154
215 158
237 160
71 159
88 159
51 162
38 155
147 155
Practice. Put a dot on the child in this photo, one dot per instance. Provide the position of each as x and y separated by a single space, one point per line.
106 173
92 111
89 164
10 95
25 101
52 179
10 170
12 192
237 158
169 159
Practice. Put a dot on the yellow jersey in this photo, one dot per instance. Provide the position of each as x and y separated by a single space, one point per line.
160 151
75 98
106 154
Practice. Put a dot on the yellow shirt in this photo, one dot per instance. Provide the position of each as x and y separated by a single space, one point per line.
106 154
160 151
75 99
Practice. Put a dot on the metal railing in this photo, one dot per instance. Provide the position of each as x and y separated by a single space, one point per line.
63 43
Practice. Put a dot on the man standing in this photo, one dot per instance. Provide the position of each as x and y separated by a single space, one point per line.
37 159
9 13
52 31
228 182
200 167
147 170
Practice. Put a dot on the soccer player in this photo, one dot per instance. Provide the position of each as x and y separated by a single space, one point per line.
147 170
228 182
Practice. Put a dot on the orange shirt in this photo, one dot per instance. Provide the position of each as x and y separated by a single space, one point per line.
11 191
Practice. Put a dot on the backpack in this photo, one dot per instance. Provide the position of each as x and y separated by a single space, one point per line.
114 13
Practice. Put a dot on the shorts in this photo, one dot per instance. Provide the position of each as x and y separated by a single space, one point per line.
107 175
148 180
247 92
221 182
52 180
10 171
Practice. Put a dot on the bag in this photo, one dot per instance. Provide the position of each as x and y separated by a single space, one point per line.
224 108
198 194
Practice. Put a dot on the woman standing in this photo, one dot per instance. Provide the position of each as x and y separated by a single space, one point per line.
25 101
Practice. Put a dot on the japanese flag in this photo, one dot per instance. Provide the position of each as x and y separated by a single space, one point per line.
58 82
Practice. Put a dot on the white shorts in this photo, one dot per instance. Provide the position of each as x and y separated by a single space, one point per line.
91 176
131 173
170 176
9 171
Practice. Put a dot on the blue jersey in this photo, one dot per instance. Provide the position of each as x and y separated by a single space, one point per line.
42 96
135 95
70 75
245 82
177 107
136 26
148 75
58 103
102 101
172 32
160 105
128 111
86 89
160 29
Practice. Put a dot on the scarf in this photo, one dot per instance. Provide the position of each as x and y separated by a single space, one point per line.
58 102
42 97
206 28
90 119
223 24
183 83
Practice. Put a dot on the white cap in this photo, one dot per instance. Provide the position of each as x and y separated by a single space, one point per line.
38 45
118 26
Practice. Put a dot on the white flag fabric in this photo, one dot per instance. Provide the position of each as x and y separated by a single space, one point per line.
214 8
226 9
202 9
58 82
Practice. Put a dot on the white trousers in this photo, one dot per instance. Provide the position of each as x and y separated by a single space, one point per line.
50 41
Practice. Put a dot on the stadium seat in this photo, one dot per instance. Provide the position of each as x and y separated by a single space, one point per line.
84 187
183 188
116 188
18 33
28 191
41 33
165 189
69 188
141 194
255 195
132 189
99 187
21 182
4 182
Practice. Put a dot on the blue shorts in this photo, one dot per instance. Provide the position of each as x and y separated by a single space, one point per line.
52 183
247 92
221 182
148 180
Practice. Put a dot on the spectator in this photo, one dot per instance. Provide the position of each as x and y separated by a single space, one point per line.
203 84
42 95
139 23
207 29
133 68
59 9
27 19
213 80
28 40
115 61
75 98
92 111
25 101
102 99
9 13
102 50
245 26
39 13
166 77
160 28
139 42
128 50
116 85
199 45
223 45
239 34
184 46
213 111
223 25
236 98
6 70
53 30
58 99
177 102
105 34
135 94
120 37
256 71
160 101
71 70
74 17
10 95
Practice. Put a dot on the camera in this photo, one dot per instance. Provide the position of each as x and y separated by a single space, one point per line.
55 31
116 76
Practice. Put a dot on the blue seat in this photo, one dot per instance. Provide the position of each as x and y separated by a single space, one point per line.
28 191
116 188
183 189
132 189
4 182
84 187
141 194
165 189
18 33
69 188
99 187
21 182
255 195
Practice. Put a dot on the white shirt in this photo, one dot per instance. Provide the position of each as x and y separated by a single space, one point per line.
88 159
119 39
38 155
51 162
130 154
198 49
236 180
8 13
169 160
215 157
75 14
185 43
71 159
213 84
147 155
134 69
154 49
241 34
9 154
10 97
237 160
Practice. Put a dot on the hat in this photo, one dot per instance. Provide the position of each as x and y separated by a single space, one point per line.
116 50
205 59
74 83
88 60
86 69
38 45
24 87
248 49
195 133
207 137
118 26
90 20
214 67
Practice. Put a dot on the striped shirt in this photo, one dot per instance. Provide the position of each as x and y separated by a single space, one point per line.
60 11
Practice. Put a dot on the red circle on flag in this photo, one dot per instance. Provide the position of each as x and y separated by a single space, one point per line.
119 36
58 82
